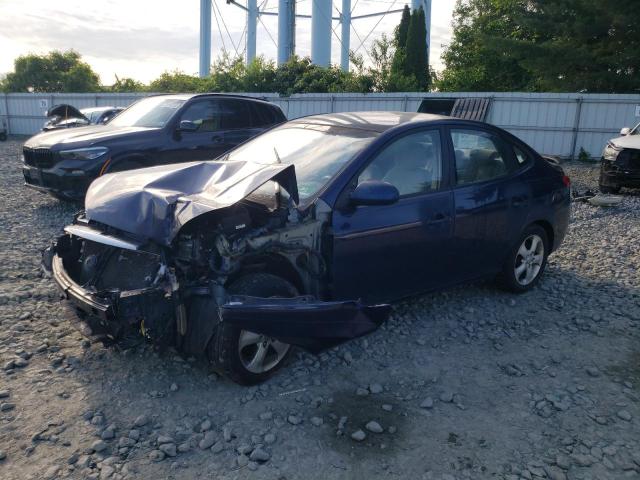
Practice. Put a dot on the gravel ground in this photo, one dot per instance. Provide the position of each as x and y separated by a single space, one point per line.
470 383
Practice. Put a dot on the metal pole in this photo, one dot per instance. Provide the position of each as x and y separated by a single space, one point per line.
427 21
346 34
321 32
284 31
576 128
252 20
205 37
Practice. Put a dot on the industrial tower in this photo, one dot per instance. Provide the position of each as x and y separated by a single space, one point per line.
321 29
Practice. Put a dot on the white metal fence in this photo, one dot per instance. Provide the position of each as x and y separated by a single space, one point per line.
554 124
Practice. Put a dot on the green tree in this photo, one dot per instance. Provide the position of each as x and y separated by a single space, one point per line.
416 50
536 45
50 73
176 82
127 85
403 28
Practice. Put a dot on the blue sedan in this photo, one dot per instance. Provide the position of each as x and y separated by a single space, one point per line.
299 236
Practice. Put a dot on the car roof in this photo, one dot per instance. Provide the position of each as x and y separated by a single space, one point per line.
189 96
373 121
97 109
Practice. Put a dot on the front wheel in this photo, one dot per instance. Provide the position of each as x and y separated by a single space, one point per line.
247 357
526 262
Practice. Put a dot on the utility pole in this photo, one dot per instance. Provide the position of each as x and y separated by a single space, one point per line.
205 38
321 32
252 21
345 37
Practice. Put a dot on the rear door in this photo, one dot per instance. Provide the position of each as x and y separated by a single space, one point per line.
390 251
485 197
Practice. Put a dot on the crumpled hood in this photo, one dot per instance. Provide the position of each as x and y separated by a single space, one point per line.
627 141
156 202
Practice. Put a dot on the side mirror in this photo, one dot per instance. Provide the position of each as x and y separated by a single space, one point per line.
374 192
625 131
187 126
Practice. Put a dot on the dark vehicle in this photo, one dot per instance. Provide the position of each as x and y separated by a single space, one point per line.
153 131
620 163
295 237
68 116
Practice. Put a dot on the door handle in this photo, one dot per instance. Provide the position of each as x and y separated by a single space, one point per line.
518 201
217 139
438 217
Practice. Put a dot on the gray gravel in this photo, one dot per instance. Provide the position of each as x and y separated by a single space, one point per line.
471 383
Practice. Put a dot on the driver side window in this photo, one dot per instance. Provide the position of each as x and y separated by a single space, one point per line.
412 164
205 114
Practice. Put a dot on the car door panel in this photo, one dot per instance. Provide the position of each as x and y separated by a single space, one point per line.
405 241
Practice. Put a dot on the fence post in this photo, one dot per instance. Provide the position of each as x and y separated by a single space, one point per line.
333 100
405 103
576 128
6 111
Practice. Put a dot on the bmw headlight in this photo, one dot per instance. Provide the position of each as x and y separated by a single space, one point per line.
610 152
84 153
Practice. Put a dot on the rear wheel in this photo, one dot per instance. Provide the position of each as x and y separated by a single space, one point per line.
248 357
526 262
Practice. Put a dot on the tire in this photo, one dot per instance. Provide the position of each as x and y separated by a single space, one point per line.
225 349
526 262
3 136
123 165
610 189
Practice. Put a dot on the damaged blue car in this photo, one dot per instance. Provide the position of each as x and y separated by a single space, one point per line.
299 236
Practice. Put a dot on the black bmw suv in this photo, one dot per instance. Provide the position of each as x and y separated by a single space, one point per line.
153 131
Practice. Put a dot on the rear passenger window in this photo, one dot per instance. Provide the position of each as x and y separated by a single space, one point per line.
235 114
479 156
264 115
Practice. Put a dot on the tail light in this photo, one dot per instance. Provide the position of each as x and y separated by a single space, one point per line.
567 181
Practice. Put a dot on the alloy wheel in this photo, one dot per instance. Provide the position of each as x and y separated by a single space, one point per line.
529 259
259 353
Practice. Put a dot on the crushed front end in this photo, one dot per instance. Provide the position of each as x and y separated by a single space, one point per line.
114 287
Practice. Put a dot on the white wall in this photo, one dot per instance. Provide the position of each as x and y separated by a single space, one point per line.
554 124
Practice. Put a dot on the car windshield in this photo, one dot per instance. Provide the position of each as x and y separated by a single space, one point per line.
317 151
153 112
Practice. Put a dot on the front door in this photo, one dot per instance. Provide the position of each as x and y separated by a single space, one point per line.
387 252
207 142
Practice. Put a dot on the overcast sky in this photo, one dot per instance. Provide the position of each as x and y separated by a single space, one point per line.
143 38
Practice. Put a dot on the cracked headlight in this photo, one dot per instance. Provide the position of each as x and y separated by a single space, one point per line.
84 153
610 152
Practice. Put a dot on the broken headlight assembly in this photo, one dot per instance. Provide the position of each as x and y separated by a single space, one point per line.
84 153
611 152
